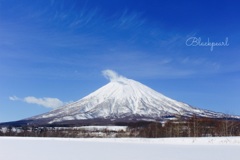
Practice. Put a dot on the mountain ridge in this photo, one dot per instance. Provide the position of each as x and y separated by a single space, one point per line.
122 98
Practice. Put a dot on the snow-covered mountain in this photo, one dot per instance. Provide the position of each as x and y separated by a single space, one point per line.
121 98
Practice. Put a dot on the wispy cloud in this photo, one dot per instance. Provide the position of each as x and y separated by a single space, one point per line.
45 102
201 63
99 40
14 98
129 20
159 66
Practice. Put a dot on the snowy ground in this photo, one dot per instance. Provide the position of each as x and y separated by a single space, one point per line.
109 128
12 148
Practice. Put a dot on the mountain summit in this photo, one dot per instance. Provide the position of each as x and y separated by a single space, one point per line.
123 98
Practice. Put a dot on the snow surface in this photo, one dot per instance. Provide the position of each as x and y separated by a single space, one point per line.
95 128
101 128
121 98
12 148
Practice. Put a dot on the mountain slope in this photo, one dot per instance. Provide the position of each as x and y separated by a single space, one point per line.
122 98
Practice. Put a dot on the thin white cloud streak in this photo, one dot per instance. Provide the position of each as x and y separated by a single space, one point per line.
129 20
44 102
157 66
14 98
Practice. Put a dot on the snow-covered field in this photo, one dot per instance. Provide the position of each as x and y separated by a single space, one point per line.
15 148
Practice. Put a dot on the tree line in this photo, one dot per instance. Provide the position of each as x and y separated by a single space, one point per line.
191 127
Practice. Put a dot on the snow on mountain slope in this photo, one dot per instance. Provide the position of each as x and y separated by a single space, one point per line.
121 98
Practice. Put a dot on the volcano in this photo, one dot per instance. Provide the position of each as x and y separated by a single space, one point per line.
123 98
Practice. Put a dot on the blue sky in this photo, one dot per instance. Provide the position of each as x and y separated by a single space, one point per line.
52 52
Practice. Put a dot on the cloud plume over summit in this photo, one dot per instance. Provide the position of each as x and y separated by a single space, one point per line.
112 75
